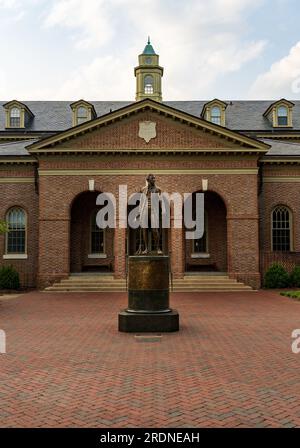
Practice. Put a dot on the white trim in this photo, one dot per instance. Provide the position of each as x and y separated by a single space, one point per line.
200 255
72 172
15 257
97 256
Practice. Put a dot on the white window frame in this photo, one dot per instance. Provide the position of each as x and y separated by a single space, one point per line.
16 255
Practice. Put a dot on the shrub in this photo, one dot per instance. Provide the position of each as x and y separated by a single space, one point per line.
9 278
276 277
292 294
3 227
295 277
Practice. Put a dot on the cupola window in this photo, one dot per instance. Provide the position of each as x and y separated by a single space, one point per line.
148 85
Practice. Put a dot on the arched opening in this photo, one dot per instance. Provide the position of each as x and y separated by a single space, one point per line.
148 84
216 115
15 118
91 248
282 222
16 236
209 253
134 238
82 114
282 116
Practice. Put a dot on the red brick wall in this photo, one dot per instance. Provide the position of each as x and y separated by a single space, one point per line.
170 134
58 240
238 191
279 193
21 195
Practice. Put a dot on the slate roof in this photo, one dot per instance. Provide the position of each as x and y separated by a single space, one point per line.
53 116
282 148
15 148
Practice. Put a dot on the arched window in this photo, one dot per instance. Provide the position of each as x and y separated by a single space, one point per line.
215 115
16 235
15 117
148 84
97 236
282 116
281 229
82 114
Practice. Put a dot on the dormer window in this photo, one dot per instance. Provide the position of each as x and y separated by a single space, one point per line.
216 115
82 115
280 114
17 115
148 85
82 112
15 118
214 111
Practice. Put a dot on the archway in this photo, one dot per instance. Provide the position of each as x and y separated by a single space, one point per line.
91 248
209 254
134 238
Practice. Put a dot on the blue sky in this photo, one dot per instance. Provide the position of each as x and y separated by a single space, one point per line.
71 49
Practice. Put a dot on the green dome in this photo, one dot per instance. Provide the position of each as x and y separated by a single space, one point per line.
148 48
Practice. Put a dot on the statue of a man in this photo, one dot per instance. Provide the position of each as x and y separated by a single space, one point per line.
148 211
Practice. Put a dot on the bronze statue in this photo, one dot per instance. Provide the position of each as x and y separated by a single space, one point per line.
146 212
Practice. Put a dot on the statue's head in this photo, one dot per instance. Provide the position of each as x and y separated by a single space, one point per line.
150 179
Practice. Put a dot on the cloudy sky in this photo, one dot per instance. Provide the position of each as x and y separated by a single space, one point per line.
71 49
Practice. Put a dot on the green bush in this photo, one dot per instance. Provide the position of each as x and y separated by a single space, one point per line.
3 227
295 277
9 278
276 277
292 294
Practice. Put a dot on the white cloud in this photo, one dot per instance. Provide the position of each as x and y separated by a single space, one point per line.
198 42
104 79
8 4
282 79
92 18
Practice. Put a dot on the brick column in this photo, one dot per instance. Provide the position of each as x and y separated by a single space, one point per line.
119 252
177 248
243 249
54 251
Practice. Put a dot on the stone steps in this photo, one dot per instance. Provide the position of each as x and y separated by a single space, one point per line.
106 283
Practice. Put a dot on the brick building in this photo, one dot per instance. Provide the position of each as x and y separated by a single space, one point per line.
56 156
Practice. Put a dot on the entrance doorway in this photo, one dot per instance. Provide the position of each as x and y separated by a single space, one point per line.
91 248
209 253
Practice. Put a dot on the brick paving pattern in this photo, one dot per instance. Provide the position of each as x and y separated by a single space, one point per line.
231 365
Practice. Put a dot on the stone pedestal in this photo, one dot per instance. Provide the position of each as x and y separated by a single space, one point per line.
148 296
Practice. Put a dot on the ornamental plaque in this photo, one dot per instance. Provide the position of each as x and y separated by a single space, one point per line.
147 130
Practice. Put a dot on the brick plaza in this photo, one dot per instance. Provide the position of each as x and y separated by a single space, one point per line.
231 365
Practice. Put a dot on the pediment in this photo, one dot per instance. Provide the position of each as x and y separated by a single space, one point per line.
147 126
